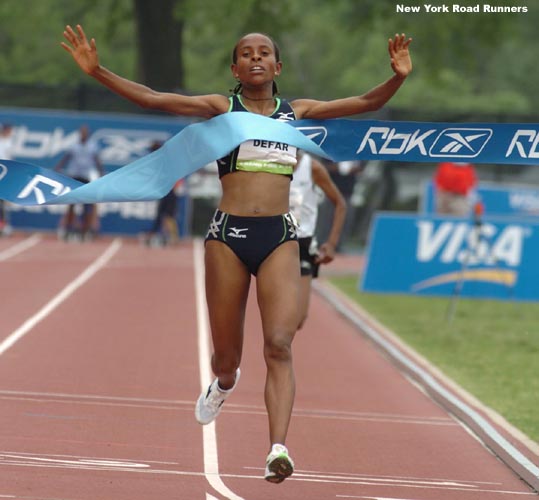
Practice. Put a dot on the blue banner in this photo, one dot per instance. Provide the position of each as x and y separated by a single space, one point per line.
43 137
432 255
344 140
130 218
497 199
153 175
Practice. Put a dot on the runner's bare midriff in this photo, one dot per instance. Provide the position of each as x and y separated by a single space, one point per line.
255 194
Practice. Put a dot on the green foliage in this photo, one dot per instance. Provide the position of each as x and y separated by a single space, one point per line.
31 32
330 48
212 30
490 348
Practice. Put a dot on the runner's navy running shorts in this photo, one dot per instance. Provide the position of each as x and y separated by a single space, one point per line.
252 239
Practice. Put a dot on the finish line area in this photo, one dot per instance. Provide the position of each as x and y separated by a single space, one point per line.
102 358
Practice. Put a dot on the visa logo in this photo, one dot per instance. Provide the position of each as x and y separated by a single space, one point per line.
457 242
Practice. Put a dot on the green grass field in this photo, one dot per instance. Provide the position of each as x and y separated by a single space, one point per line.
490 348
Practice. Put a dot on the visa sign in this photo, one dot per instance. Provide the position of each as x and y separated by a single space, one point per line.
451 242
428 255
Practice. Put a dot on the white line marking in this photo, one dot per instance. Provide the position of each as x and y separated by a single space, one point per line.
135 467
211 459
174 404
383 477
390 480
80 459
372 498
497 492
20 247
58 299
93 397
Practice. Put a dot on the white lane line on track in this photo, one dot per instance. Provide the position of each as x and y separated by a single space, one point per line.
62 458
512 494
187 405
130 468
20 247
347 476
373 498
138 466
211 458
71 288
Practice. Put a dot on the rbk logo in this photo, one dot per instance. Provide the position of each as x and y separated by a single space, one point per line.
316 134
460 142
121 146
58 188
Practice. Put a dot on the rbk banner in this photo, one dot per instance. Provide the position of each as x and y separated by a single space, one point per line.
425 141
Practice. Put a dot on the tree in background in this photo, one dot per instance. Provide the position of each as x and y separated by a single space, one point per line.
159 34
481 63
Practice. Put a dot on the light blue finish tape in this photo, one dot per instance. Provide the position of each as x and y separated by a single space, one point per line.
152 176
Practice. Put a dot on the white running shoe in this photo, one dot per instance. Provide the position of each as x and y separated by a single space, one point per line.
279 465
210 402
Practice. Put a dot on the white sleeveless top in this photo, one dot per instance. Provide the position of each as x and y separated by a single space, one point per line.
304 198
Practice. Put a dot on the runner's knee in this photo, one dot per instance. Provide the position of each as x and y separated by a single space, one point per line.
278 348
225 364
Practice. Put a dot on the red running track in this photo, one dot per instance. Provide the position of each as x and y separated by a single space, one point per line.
103 349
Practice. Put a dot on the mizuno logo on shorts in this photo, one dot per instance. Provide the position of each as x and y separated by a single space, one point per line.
237 233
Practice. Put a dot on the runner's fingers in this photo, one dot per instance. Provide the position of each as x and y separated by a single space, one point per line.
75 39
81 34
69 35
391 46
66 47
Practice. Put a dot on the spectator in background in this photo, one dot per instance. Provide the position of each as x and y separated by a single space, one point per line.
6 145
81 162
455 185
344 175
310 183
164 226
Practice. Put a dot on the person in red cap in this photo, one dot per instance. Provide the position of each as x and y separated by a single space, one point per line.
455 186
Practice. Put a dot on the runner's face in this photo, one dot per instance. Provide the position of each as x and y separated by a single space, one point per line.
256 62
